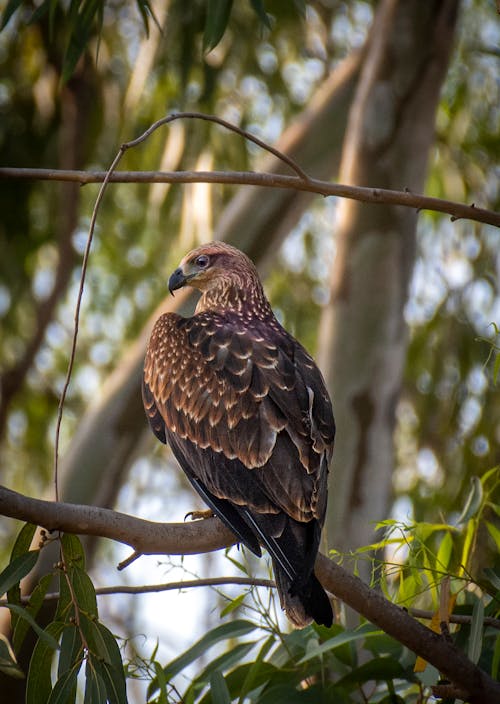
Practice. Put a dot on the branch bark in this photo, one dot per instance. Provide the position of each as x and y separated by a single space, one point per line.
146 537
363 194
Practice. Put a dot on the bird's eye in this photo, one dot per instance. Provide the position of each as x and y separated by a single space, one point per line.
202 261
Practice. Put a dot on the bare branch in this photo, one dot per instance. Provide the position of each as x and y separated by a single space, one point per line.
147 537
165 587
382 196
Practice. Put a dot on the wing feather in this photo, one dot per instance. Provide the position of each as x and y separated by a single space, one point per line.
250 394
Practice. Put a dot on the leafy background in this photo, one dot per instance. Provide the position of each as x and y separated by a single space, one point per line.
79 78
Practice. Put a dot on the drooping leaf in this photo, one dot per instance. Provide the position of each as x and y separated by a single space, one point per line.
378 669
115 685
22 613
473 501
261 13
221 663
22 625
365 631
83 23
218 688
95 686
10 8
218 12
71 649
84 591
73 551
64 691
39 683
8 662
476 632
17 569
234 629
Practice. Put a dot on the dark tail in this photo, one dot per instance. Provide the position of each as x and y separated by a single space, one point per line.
293 547
303 603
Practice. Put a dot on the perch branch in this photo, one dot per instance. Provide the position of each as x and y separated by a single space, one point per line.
380 196
147 537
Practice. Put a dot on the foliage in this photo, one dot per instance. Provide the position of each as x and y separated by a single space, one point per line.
74 639
252 659
263 71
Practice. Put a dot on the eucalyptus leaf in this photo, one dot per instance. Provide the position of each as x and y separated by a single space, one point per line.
17 569
234 629
218 12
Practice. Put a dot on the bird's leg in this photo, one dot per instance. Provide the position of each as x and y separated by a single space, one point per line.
197 515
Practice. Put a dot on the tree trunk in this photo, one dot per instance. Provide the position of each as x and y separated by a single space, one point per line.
363 333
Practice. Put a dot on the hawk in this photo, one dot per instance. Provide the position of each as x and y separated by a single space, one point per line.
246 412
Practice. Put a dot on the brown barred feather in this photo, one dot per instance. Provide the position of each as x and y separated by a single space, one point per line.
248 417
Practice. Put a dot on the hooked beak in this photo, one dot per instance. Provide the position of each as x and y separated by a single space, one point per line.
177 280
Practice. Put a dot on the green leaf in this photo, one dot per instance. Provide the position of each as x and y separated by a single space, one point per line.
444 551
476 632
365 631
233 604
83 22
11 7
71 649
495 663
251 677
493 576
385 668
64 691
95 687
261 13
218 12
162 681
234 629
105 650
115 688
84 591
17 569
33 606
218 689
24 614
8 662
494 532
39 683
221 663
496 368
473 501
73 551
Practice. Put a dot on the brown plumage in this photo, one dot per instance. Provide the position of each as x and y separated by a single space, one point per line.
247 415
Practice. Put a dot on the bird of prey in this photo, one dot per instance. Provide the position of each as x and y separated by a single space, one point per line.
248 417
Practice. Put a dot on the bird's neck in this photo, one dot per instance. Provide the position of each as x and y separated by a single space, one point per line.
236 297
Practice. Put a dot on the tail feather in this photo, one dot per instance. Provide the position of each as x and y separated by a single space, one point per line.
305 603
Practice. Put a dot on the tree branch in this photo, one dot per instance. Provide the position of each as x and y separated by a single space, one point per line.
146 537
382 196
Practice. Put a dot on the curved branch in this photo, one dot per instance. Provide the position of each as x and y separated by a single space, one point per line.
146 537
382 196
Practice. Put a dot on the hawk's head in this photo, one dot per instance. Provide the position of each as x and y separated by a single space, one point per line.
211 266
226 277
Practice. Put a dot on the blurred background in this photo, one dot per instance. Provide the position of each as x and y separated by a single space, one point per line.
399 308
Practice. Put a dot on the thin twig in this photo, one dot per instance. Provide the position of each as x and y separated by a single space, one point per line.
77 318
462 619
165 587
224 123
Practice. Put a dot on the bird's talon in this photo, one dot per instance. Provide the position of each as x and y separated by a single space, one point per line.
197 515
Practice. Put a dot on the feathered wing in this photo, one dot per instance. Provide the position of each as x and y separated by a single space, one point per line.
247 415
